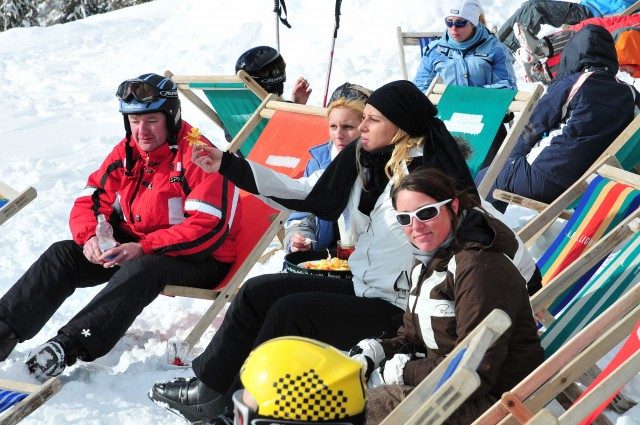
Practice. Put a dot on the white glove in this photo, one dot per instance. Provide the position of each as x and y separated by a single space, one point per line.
390 372
370 353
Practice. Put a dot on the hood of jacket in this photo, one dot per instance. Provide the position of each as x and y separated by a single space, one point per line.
589 49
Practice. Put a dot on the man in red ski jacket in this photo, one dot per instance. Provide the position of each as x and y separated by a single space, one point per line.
173 223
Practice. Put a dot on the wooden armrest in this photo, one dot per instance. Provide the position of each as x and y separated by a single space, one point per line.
512 198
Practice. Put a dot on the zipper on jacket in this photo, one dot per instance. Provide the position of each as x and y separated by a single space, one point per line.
135 193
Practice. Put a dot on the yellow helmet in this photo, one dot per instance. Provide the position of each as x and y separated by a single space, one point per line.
300 379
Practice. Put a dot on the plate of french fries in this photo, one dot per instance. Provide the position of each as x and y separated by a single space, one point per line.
319 263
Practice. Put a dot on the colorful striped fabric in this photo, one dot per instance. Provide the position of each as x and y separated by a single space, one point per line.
10 398
604 204
613 281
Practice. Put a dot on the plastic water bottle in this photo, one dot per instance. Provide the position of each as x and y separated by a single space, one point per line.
104 233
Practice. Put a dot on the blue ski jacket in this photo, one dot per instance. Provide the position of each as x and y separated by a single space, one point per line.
320 159
487 64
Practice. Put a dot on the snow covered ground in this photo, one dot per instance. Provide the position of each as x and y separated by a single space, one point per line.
59 119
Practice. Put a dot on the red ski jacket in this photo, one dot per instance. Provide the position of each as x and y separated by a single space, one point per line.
166 203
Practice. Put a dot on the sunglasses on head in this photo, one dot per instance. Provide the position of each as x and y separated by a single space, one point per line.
348 92
243 415
142 91
424 214
458 24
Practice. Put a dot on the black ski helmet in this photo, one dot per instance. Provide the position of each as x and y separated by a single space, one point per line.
150 93
265 65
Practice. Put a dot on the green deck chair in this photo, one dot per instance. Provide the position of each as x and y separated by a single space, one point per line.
234 99
476 113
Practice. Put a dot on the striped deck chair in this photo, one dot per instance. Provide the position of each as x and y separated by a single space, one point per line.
559 371
18 400
421 39
603 206
452 381
610 284
234 99
12 201
476 113
624 366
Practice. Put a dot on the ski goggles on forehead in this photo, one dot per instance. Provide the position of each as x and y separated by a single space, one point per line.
348 93
244 415
424 214
458 24
142 91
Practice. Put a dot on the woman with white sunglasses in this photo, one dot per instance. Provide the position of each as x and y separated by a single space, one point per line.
464 269
467 54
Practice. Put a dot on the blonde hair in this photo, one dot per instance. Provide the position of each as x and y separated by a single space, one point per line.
482 19
400 157
356 105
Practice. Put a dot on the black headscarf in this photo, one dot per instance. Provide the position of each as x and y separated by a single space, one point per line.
409 109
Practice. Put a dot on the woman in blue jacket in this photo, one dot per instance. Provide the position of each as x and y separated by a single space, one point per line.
305 231
467 54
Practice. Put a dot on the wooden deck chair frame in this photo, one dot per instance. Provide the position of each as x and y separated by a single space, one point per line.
548 213
599 395
567 364
413 39
266 110
631 9
183 81
17 200
522 106
432 401
37 395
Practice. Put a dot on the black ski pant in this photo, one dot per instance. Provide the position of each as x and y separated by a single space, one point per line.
130 287
534 13
285 304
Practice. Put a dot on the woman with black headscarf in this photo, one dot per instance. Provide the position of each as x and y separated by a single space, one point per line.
399 133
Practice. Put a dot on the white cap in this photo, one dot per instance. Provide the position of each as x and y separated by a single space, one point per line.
465 9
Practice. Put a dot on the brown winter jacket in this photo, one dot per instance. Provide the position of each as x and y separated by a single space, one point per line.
455 291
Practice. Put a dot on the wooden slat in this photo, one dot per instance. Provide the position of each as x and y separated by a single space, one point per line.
38 394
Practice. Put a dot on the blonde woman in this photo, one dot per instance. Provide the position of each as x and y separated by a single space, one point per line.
399 133
305 231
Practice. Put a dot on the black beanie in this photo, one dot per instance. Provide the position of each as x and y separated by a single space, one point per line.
404 105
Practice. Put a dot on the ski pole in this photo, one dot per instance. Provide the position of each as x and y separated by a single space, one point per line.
336 25
278 11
